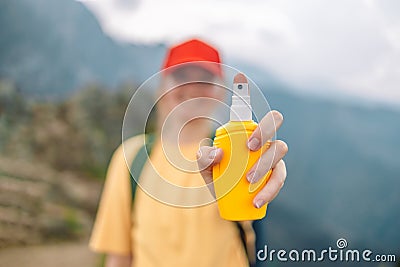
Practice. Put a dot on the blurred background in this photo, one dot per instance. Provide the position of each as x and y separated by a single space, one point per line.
69 68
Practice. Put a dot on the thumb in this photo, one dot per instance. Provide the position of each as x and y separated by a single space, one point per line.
207 157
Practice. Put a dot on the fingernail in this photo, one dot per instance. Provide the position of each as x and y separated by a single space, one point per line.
259 203
250 176
198 154
213 153
253 143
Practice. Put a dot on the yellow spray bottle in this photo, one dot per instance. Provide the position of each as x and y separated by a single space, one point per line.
233 191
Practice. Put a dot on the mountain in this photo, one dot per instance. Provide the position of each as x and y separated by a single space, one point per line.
343 163
343 176
51 47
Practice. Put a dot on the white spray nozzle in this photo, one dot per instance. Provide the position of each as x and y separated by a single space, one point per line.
240 108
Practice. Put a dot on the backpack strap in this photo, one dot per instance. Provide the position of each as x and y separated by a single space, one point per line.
139 161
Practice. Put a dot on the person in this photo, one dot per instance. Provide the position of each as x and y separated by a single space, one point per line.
152 232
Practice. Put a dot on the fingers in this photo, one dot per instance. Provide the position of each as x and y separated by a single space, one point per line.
268 160
272 188
265 130
207 157
272 158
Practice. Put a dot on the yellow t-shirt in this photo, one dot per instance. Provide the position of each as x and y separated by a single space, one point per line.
157 234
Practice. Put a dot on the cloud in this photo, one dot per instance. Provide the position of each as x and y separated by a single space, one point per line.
348 47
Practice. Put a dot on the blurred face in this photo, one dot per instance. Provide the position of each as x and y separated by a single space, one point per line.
188 93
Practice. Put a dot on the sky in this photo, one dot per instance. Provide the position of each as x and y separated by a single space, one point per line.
345 47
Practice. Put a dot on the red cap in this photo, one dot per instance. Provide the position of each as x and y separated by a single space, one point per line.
192 51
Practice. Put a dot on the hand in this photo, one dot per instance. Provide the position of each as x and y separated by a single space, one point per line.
208 156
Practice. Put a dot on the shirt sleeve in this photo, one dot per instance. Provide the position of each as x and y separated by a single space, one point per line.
112 228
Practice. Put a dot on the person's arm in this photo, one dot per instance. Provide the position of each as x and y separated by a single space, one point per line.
112 228
114 260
